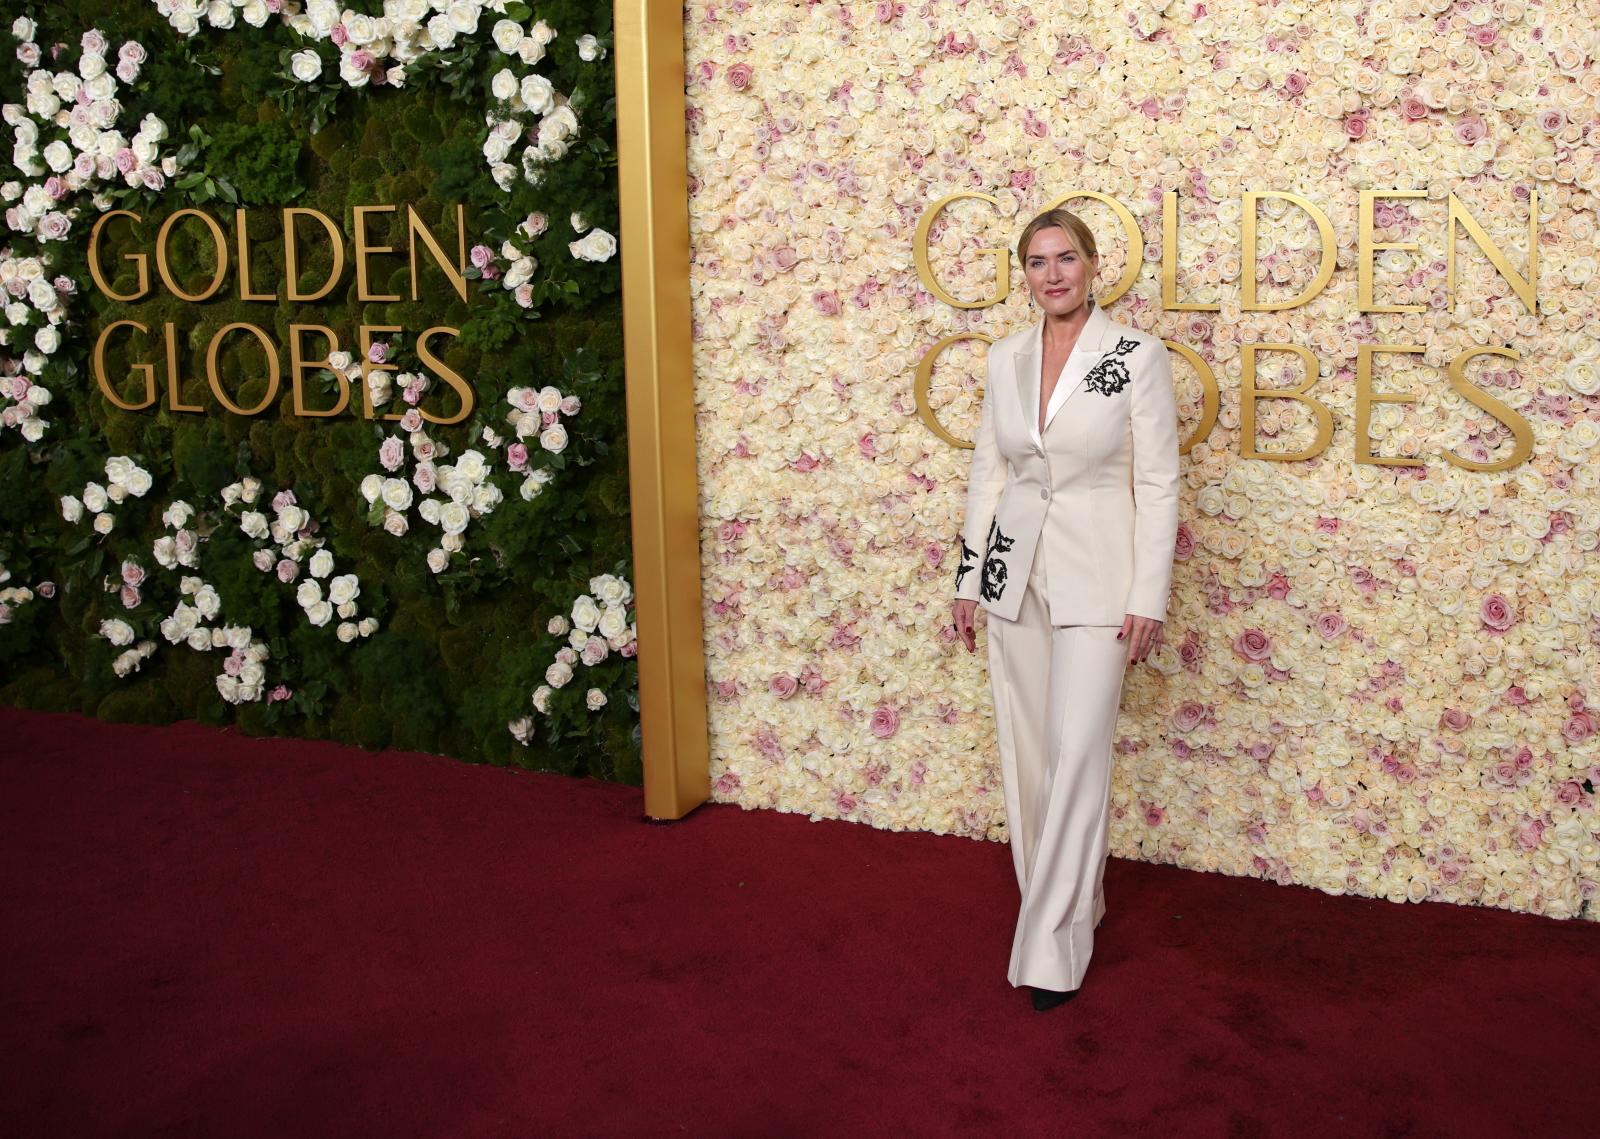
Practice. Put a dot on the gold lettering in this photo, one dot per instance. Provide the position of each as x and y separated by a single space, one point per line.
457 273
1366 247
364 250
1524 287
169 333
1248 272
1169 263
1521 431
299 365
924 383
1248 394
919 254
241 233
220 247
446 373
1366 397
139 259
273 369
291 258
1213 398
99 362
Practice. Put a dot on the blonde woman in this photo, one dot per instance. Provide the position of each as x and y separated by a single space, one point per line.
1072 514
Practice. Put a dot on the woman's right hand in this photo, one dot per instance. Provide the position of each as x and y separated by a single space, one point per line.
962 614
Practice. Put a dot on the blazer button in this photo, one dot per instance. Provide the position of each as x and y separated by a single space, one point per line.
1044 493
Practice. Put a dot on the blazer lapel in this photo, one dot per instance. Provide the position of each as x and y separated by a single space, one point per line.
1086 353
1027 365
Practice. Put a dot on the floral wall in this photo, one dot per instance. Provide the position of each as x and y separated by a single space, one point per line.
384 577
1377 679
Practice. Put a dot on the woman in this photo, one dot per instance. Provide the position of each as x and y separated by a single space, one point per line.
1073 502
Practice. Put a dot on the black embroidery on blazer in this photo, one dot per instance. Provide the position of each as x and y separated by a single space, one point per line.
1110 375
994 570
969 562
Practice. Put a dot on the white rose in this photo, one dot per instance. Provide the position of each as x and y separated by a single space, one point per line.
538 93
589 49
594 699
118 468
139 482
395 524
471 465
397 494
441 32
320 614
361 29
104 523
585 613
321 564
23 29
47 339
541 698
596 245
613 622
453 517
558 674
463 15
199 640
367 626
254 524
507 35
344 589
309 593
305 66
71 508
503 87
554 438
207 601
119 633
371 488
347 632
437 560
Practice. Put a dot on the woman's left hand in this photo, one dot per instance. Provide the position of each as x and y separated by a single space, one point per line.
1143 635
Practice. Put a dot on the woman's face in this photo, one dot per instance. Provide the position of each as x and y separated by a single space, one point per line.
1058 277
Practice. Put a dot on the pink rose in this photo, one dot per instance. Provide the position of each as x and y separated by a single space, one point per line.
783 686
1154 816
288 570
1188 715
1455 720
412 421
1294 84
1515 696
1469 129
377 352
281 499
1579 727
153 178
130 596
339 35
517 456
132 573
1355 126
1183 548
46 589
739 76
482 256
1253 645
1552 121
426 476
391 453
885 722
1497 614
1331 626
1413 108
827 303
278 694
262 560
571 405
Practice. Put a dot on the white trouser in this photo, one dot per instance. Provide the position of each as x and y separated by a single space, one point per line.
1056 692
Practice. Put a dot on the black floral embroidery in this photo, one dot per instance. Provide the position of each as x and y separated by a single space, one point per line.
1110 375
994 570
969 562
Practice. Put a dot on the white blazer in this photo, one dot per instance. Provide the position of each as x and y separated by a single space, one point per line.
1099 487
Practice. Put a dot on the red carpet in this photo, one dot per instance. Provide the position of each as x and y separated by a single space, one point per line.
207 935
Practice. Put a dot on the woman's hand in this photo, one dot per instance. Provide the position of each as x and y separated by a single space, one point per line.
1143 635
962 614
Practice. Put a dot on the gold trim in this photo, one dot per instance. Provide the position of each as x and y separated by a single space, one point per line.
652 166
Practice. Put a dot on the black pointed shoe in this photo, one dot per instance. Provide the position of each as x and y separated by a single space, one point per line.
1046 999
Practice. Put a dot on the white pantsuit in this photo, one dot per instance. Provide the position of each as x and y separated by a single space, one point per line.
1077 525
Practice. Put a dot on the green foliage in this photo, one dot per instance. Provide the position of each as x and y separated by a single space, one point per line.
457 654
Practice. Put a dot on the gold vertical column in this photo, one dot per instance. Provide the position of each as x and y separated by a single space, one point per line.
653 171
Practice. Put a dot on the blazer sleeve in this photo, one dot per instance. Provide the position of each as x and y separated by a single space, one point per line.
985 480
1154 413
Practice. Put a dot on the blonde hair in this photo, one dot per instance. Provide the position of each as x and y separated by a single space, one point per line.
1078 234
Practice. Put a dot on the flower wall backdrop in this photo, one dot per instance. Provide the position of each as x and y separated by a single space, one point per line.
383 578
1377 679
